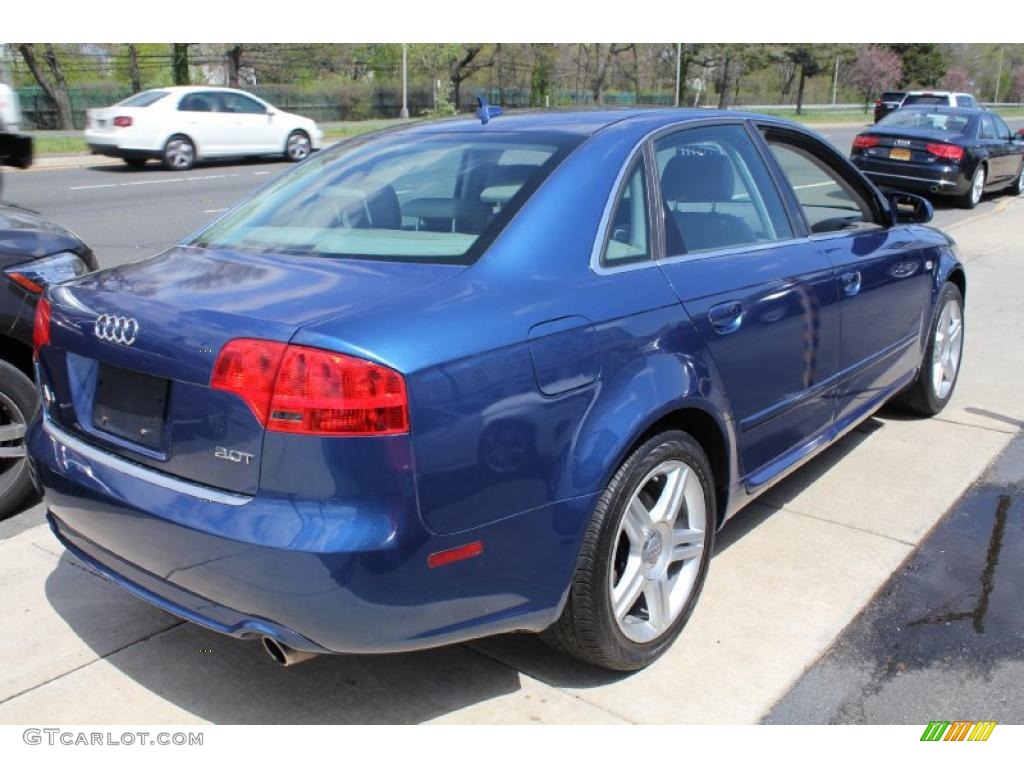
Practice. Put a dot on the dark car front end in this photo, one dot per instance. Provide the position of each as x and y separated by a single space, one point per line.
907 152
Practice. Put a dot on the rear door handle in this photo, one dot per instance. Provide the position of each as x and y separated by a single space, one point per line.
726 317
850 282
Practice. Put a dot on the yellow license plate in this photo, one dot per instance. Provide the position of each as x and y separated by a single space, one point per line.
899 154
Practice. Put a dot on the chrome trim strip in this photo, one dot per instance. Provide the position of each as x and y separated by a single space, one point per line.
139 472
939 182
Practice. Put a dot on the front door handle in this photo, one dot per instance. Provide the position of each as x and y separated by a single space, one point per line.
850 282
727 317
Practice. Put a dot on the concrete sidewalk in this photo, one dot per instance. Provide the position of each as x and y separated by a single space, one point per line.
790 573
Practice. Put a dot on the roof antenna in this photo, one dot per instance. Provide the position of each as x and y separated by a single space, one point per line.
485 111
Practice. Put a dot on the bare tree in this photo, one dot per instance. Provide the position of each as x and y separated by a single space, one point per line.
53 84
133 67
179 63
467 64
234 55
604 60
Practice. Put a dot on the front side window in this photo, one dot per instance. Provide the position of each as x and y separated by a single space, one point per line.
435 197
829 202
628 240
240 103
716 191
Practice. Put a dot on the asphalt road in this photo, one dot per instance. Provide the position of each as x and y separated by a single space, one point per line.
127 215
944 639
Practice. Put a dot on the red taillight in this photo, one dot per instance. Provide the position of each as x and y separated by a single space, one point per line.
123 122
25 282
248 367
864 141
946 151
312 391
41 327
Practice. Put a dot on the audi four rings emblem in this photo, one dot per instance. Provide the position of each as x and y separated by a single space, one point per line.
120 330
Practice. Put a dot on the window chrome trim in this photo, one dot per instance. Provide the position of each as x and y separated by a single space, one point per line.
139 472
733 250
939 182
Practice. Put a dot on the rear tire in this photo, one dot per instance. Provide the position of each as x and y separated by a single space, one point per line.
940 365
608 619
179 153
973 195
18 404
1017 188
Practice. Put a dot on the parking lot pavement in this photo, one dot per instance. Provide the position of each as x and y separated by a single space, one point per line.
790 573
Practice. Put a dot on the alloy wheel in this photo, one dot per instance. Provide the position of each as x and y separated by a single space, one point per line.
12 443
978 185
947 348
298 146
658 551
179 153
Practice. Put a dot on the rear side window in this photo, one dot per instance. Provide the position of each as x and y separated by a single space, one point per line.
628 240
433 197
988 128
716 191
198 102
829 202
143 99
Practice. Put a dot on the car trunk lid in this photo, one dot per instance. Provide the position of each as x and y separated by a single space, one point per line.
133 348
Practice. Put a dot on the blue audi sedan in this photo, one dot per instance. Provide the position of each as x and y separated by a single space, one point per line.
484 375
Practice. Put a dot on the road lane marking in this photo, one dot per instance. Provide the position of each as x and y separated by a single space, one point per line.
215 210
153 181
260 173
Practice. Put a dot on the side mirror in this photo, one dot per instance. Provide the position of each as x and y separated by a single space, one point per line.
909 209
1019 135
15 150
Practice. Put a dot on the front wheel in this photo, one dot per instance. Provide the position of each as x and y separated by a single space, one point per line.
940 364
297 147
644 557
1017 188
972 196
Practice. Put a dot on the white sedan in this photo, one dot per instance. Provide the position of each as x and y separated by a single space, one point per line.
182 124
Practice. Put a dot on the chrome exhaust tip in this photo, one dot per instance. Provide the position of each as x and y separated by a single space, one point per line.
285 656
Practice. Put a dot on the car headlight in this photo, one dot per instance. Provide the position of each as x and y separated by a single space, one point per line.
35 275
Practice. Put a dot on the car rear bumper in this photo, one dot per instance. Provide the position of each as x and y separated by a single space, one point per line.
308 575
937 180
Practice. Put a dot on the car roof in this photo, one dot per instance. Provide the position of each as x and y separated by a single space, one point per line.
945 110
183 89
584 122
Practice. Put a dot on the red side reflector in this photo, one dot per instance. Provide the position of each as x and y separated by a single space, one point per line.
25 282
946 151
123 122
41 327
864 141
448 556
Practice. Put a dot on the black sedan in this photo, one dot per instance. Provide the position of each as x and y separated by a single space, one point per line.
34 252
888 102
944 151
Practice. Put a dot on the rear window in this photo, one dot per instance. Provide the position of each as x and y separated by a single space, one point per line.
926 120
143 99
926 98
438 197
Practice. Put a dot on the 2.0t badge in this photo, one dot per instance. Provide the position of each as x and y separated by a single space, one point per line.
120 330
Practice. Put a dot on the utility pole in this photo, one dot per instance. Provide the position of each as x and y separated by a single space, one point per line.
405 82
999 76
679 68
835 82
